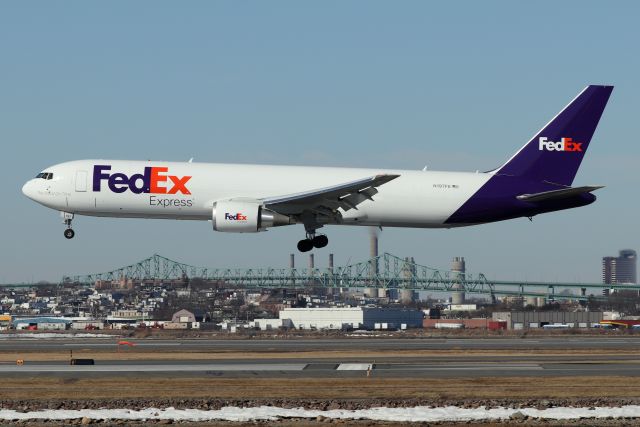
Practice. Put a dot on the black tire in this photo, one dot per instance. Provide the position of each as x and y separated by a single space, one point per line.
320 241
305 245
69 233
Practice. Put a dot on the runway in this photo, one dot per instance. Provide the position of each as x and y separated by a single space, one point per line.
417 367
295 344
331 358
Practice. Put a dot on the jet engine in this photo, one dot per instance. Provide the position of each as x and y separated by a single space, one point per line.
240 216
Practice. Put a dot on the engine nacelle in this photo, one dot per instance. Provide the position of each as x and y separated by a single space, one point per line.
240 216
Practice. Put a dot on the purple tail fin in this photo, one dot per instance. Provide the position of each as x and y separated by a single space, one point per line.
554 154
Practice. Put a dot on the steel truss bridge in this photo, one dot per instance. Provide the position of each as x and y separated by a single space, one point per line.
386 271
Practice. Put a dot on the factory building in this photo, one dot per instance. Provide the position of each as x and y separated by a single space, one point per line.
351 318
548 319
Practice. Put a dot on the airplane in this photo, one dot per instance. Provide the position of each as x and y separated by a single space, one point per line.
244 198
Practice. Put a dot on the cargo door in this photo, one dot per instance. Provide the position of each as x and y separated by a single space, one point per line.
81 181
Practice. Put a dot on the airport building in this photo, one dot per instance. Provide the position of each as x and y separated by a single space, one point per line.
620 269
548 319
351 318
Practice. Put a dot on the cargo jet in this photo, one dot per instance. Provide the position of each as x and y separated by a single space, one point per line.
252 198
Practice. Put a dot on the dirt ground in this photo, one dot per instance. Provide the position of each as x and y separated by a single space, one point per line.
450 389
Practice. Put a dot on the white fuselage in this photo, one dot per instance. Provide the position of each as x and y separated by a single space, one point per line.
414 199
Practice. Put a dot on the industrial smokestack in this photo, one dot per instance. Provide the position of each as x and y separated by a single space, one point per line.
311 263
292 261
331 262
372 292
373 246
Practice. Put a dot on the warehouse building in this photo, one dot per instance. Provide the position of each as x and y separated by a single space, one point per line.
42 324
352 318
548 319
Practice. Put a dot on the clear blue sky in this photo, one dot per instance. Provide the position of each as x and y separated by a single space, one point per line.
453 85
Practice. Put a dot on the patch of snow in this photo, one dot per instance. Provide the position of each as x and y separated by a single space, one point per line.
271 413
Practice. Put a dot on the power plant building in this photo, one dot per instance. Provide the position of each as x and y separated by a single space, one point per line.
620 269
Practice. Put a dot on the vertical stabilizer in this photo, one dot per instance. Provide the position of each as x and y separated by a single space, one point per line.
554 154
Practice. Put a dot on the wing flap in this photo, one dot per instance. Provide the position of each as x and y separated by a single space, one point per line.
558 194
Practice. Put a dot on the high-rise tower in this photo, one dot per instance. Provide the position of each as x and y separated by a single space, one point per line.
620 269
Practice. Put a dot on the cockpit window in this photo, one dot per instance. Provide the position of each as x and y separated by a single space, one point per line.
45 175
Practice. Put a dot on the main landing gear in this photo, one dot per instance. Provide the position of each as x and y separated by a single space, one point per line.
68 217
313 241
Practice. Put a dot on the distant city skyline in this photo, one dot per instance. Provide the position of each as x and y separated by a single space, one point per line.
376 84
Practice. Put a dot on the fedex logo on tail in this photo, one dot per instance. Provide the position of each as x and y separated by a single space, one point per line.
235 217
565 144
154 180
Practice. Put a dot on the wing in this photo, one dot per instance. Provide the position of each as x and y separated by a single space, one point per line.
321 205
557 194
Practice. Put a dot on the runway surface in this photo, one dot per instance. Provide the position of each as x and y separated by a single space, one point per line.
256 362
323 368
294 344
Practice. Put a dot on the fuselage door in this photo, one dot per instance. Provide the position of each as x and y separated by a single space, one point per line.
81 181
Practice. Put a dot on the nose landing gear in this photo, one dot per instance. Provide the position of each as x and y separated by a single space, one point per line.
68 217
313 241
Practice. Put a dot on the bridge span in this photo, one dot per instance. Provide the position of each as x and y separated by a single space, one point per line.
385 271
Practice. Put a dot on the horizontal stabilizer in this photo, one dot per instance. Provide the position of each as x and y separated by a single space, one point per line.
564 193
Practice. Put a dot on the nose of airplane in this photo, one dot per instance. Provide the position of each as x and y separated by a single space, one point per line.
29 190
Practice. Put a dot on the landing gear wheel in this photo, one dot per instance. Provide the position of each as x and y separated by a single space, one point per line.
305 245
320 241
67 218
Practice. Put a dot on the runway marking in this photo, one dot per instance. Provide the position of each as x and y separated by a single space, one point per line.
354 367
